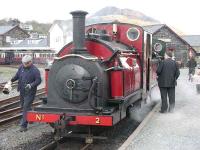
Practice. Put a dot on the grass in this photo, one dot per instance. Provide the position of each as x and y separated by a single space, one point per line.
7 72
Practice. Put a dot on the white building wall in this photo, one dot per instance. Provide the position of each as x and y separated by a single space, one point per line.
68 37
56 37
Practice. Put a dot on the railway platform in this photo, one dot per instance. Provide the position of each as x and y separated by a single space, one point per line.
179 130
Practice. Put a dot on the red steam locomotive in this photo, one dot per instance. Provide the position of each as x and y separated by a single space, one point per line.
96 78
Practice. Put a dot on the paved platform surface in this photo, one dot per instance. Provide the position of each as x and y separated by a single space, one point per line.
179 130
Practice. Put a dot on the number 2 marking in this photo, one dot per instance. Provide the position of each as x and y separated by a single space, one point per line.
97 120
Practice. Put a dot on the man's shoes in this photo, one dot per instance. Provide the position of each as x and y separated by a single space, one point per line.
23 129
171 110
162 111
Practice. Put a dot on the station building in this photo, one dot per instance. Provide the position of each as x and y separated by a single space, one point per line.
174 42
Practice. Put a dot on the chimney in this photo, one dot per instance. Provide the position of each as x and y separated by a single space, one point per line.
79 31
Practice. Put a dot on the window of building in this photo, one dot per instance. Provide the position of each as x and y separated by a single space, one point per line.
58 39
8 39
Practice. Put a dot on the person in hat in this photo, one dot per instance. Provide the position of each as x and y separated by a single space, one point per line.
167 72
29 78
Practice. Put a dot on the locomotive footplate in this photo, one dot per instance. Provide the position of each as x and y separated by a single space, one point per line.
105 111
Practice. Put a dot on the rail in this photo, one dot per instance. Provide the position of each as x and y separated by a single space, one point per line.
14 84
10 112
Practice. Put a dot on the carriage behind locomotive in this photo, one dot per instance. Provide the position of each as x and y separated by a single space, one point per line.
108 68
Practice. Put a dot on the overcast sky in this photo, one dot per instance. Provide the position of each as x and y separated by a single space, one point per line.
181 14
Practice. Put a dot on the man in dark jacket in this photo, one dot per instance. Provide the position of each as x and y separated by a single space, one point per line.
168 72
29 78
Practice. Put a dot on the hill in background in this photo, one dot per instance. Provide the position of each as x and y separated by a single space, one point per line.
109 14
104 15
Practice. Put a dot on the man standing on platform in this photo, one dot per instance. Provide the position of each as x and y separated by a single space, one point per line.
29 78
167 72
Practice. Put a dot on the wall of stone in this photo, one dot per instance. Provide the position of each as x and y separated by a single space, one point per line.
15 33
181 49
175 41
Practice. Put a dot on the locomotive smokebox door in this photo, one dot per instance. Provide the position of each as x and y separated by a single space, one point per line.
70 83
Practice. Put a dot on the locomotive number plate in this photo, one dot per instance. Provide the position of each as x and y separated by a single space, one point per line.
39 117
97 120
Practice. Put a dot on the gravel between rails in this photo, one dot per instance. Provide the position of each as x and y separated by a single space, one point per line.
37 136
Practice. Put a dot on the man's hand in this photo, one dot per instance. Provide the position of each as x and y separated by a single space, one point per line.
9 82
27 87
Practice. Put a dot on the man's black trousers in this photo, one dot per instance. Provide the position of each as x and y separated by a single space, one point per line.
170 93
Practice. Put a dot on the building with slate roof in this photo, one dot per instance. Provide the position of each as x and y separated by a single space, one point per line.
37 47
173 41
16 42
194 41
7 33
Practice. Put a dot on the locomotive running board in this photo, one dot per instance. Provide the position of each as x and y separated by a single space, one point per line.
87 57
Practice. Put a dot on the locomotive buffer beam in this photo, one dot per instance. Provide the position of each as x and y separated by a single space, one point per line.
62 123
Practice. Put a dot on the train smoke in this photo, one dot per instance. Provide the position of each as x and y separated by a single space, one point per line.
138 113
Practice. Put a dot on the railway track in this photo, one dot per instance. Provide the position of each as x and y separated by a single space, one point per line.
55 145
10 110
10 102
14 84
